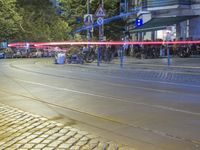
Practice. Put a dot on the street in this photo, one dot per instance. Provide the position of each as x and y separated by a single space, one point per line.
146 105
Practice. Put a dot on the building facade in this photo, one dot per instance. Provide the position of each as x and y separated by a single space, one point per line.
185 13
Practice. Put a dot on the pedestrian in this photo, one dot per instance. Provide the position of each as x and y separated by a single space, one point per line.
162 51
85 49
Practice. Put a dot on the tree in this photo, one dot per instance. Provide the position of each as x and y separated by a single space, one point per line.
77 8
72 11
9 19
36 20
40 22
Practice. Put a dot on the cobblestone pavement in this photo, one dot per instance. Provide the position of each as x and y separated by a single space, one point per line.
22 130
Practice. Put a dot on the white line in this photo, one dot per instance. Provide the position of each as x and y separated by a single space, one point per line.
170 83
183 67
110 97
142 80
153 81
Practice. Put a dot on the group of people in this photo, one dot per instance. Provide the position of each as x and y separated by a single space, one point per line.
106 53
161 50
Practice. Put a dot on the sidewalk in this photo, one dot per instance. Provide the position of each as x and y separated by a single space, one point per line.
21 130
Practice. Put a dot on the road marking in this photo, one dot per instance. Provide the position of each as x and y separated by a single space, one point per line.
142 80
115 84
109 97
170 83
153 81
183 67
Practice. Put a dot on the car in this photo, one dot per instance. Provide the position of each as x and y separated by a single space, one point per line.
2 55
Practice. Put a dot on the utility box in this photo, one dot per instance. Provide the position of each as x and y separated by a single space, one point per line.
60 58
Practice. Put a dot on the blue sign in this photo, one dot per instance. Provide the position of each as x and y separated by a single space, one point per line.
100 21
78 19
138 22
88 19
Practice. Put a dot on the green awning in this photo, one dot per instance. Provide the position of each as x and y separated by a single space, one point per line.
160 23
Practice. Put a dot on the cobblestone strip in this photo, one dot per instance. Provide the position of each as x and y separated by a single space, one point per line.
21 130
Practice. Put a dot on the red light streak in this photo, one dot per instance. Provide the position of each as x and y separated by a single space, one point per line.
40 44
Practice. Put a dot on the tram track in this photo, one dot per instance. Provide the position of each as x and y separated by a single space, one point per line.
119 78
170 136
167 135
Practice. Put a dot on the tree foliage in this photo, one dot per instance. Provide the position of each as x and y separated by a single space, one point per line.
72 9
37 20
9 19
40 22
31 20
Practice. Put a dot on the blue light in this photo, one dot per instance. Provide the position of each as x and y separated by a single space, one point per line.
138 22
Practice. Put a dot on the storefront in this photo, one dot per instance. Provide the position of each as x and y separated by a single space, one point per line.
165 28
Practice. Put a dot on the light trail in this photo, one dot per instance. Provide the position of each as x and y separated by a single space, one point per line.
40 44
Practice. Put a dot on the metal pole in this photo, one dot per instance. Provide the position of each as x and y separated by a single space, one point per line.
123 48
88 6
101 29
168 56
88 12
122 57
98 56
102 1
101 35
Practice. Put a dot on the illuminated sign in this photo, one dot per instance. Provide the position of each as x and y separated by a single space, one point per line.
138 22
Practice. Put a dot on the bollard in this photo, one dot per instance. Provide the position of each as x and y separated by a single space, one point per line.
121 57
98 56
168 56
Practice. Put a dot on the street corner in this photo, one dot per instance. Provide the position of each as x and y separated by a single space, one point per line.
23 130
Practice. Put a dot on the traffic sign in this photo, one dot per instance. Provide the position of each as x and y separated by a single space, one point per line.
100 12
88 19
138 22
100 21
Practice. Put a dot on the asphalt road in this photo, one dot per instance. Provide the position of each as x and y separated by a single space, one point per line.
148 106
